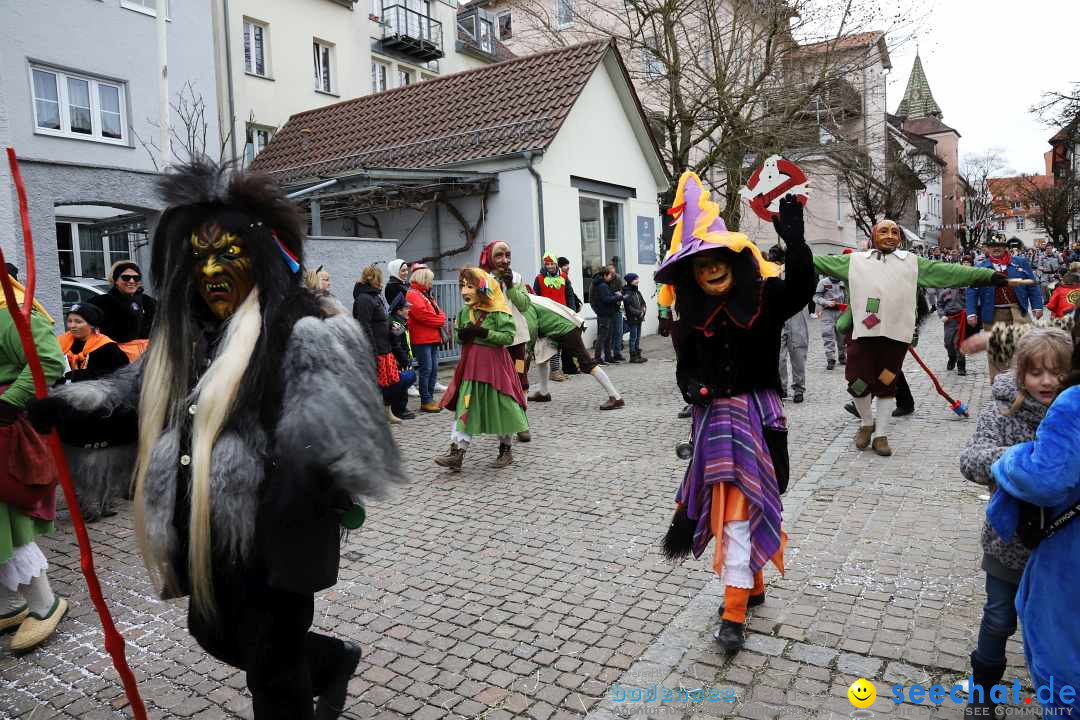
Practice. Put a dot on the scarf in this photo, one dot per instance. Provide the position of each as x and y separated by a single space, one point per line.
555 279
20 293
79 360
1002 263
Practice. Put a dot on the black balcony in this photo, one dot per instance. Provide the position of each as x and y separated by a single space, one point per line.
411 33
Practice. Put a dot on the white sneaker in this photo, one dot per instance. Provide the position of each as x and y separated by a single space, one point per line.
439 387
414 391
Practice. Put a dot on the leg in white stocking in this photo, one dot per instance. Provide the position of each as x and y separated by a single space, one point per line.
605 382
38 595
864 406
885 407
544 371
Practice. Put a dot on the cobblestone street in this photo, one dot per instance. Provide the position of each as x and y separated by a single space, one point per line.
530 591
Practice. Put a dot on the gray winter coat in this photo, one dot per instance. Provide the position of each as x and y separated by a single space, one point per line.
996 432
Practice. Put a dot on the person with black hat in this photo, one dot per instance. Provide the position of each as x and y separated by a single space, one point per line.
127 311
1008 304
101 451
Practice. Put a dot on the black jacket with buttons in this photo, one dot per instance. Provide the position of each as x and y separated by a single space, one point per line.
733 351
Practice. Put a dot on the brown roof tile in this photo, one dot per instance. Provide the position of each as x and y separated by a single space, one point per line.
927 126
505 108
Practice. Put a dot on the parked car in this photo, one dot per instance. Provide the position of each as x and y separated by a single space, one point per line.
76 290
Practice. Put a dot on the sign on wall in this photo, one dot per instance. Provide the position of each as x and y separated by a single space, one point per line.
646 240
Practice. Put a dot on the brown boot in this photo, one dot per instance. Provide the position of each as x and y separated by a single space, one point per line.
862 437
452 459
613 403
505 459
881 446
558 376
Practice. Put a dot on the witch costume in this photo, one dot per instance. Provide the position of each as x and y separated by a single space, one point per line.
484 394
258 430
731 306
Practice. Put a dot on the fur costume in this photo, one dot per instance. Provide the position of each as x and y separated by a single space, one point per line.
731 309
258 429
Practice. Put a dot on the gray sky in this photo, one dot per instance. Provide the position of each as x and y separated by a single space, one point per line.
987 62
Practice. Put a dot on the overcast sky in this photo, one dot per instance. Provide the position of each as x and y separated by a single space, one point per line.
987 62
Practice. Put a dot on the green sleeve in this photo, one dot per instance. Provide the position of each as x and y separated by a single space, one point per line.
48 348
517 295
462 318
845 322
937 274
833 265
501 329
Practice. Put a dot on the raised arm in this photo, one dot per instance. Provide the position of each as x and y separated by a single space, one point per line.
835 265
937 274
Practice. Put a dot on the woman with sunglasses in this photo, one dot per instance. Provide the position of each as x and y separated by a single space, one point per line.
127 311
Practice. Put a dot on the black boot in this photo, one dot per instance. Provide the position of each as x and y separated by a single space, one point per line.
332 701
979 704
961 365
730 636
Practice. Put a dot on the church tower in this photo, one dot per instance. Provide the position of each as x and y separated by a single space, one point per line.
918 101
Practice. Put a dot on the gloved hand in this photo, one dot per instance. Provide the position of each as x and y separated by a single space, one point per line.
999 280
47 413
8 413
789 221
470 332
697 394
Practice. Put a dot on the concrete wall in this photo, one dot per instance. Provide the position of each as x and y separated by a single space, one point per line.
103 39
344 258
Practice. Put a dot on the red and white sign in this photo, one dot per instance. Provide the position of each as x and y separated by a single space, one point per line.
775 178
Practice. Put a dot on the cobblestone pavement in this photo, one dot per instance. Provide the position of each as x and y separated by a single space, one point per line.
530 591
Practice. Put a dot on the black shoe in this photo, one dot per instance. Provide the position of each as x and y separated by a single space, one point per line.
783 394
986 676
901 412
843 360
797 398
830 364
686 412
599 361
405 415
730 636
523 436
332 701
613 361
619 357
961 370
951 365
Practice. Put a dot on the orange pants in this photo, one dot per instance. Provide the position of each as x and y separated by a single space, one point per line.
730 505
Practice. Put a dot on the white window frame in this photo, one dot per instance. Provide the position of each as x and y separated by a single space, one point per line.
136 6
1019 222
652 65
559 5
318 48
375 9
384 68
404 72
249 38
95 106
254 129
498 24
76 248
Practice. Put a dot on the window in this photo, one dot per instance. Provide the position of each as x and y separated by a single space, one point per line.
378 76
564 12
487 36
601 238
258 137
85 250
375 9
324 58
256 36
1001 224
506 28
653 65
147 7
1019 222
405 77
1015 204
77 106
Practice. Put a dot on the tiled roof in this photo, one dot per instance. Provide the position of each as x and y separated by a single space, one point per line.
498 110
918 101
844 42
1005 190
927 126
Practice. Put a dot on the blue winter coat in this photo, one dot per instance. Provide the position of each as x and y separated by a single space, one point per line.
1046 472
980 300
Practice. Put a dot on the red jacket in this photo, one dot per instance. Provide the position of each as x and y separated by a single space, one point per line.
425 317
1063 300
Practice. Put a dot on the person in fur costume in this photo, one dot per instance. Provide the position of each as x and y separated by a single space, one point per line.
731 306
484 394
258 430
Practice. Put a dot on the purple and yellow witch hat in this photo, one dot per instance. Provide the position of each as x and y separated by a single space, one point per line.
699 228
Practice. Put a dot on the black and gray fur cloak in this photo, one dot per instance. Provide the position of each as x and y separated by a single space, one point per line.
306 433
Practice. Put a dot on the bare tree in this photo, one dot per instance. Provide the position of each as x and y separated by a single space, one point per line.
1060 109
1055 205
977 169
190 134
727 83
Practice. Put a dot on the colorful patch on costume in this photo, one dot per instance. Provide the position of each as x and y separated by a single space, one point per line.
857 388
871 320
519 366
873 305
468 397
886 377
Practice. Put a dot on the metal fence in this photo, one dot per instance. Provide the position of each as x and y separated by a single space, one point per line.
448 297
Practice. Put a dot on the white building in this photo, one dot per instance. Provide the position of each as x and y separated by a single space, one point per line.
549 152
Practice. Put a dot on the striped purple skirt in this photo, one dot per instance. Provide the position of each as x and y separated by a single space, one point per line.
729 446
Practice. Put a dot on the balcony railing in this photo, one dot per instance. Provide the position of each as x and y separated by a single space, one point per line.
411 33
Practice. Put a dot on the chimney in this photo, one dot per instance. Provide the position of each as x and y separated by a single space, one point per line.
1048 158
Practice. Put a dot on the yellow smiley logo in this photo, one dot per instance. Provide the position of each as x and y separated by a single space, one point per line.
862 693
